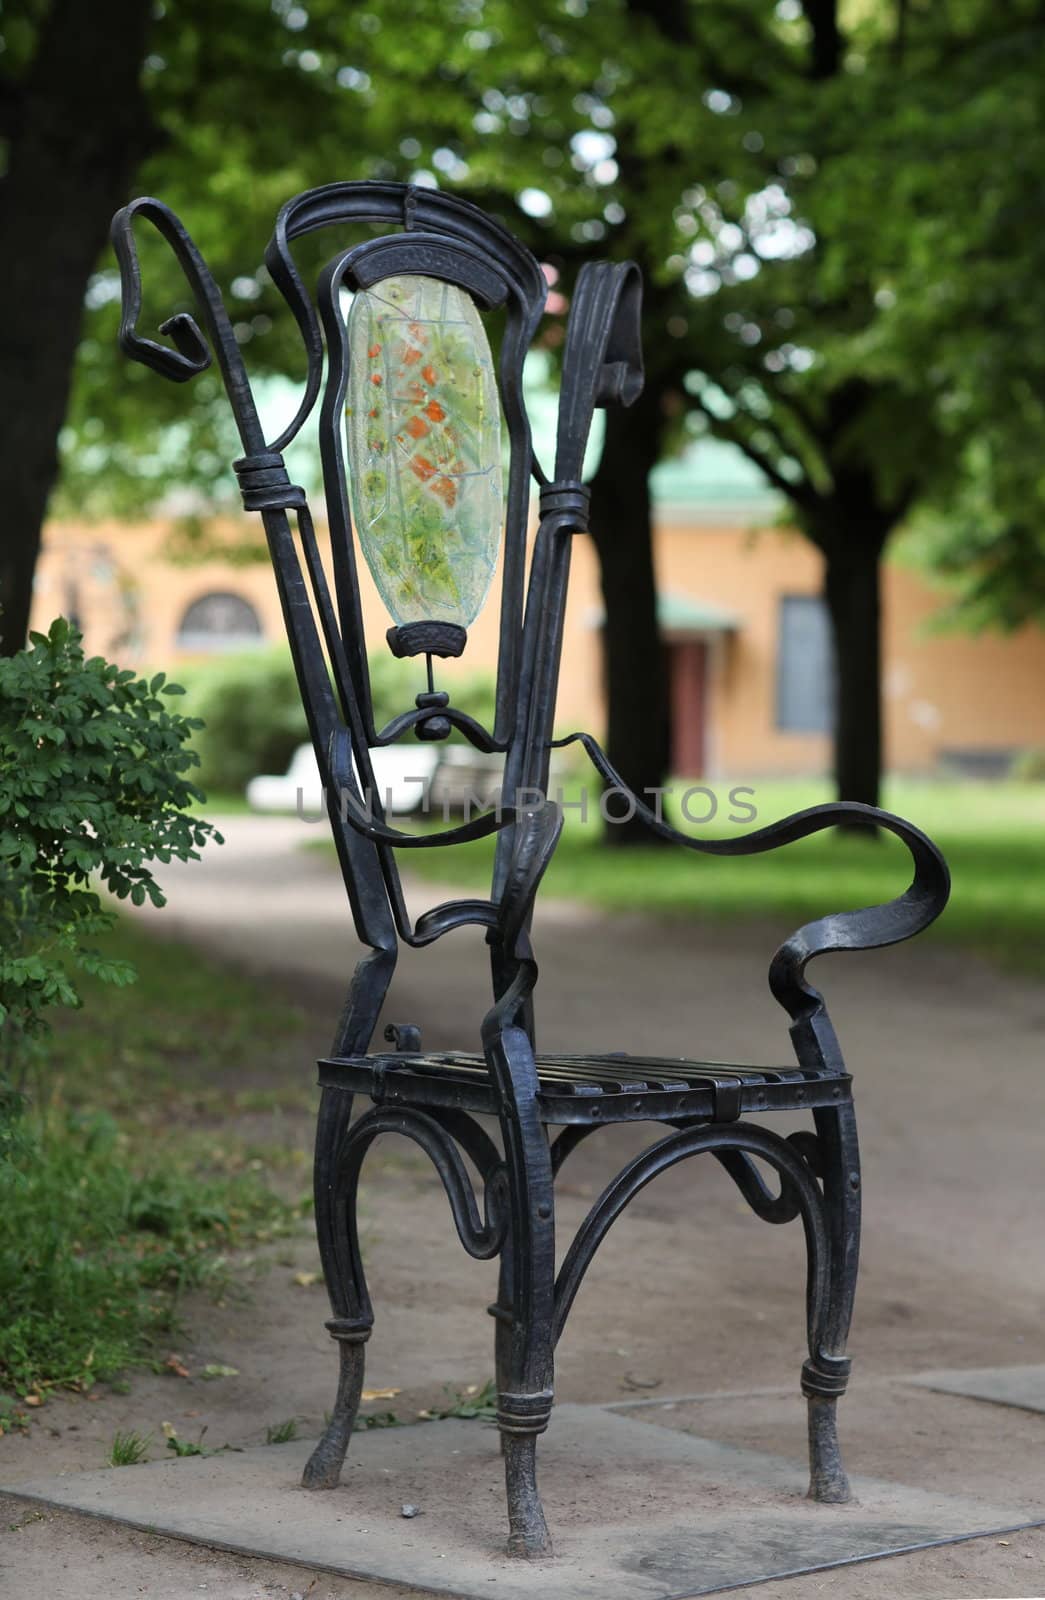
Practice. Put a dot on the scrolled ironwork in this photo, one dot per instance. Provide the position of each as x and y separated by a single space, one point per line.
776 1208
668 1152
871 928
482 1237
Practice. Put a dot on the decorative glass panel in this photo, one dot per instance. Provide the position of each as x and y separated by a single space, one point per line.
424 448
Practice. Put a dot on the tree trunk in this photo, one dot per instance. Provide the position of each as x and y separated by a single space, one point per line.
78 129
852 590
638 736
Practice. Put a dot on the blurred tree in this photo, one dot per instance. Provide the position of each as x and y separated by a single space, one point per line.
775 170
811 190
219 106
966 306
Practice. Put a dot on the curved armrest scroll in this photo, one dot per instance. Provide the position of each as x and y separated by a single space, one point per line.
870 928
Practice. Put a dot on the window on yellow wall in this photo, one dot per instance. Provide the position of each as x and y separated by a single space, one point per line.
219 621
806 677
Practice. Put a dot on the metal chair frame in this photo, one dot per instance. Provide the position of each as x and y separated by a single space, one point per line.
435 1099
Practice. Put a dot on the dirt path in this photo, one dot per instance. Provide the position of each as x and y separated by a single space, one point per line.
691 1295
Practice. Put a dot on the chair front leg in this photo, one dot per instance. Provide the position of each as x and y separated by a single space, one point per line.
337 1236
825 1374
501 1311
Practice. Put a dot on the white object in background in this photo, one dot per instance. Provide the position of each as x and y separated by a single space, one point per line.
297 789
402 774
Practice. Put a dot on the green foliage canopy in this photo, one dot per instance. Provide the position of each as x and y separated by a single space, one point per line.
830 203
584 125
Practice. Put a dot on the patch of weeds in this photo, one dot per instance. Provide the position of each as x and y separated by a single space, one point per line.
381 1419
476 1402
128 1449
186 1447
13 1419
282 1432
97 1247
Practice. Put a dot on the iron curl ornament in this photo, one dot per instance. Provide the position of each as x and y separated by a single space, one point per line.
412 410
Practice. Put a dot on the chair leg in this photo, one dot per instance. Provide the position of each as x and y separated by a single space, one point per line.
350 1325
517 1415
524 1346
826 1374
323 1468
528 1535
502 1314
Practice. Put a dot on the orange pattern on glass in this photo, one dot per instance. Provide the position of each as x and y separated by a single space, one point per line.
424 448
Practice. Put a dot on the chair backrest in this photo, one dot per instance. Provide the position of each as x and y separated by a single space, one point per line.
410 433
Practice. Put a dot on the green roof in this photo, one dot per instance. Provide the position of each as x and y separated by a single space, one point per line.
712 476
681 613
711 479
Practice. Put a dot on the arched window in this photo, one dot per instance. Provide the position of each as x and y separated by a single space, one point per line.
219 621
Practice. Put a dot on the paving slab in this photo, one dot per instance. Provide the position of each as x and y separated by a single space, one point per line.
636 1511
1023 1387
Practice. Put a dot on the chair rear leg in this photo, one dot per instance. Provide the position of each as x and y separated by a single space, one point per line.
825 1374
351 1323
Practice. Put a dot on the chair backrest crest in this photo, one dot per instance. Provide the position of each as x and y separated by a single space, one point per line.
443 238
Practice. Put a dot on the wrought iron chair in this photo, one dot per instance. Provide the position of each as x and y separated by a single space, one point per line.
409 371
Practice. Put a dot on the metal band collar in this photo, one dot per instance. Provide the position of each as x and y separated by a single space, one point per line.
346 1330
568 500
265 485
524 1414
825 1375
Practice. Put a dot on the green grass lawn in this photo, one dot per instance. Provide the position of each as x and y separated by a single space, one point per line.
993 835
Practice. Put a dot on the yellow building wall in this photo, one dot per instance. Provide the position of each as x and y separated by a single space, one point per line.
942 691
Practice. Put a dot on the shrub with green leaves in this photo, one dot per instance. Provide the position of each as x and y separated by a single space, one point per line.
94 784
251 717
253 720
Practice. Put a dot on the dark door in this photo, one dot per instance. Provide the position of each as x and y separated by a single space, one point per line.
686 661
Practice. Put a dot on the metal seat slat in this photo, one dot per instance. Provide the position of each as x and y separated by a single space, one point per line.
594 1074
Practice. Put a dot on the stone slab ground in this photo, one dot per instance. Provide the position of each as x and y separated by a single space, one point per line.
640 1512
1022 1387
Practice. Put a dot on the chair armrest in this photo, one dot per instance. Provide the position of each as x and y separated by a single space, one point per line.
538 827
356 811
870 928
537 833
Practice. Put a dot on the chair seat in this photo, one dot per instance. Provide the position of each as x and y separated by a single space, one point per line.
590 1088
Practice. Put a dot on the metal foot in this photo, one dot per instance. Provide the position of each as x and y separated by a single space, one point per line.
827 1478
528 1537
323 1468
